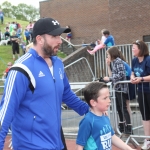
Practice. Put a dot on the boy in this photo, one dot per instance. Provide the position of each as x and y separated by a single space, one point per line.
95 131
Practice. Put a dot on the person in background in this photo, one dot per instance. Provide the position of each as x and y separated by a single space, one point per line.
9 64
69 35
30 29
141 73
131 87
27 35
103 38
109 39
19 31
108 42
118 73
0 35
7 33
95 131
15 45
23 46
36 111
2 16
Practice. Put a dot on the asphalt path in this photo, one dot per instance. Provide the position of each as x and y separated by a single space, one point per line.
71 120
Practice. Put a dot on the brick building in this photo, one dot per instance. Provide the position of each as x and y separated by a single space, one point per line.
127 20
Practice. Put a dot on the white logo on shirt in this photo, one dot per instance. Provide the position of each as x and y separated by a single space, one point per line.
41 74
55 22
106 141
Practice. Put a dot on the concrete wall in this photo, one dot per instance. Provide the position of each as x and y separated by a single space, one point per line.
127 20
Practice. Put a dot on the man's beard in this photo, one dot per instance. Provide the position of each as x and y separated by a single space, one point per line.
48 50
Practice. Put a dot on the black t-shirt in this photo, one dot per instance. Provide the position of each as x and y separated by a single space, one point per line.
14 42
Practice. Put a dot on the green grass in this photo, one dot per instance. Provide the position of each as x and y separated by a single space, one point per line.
6 56
6 51
6 20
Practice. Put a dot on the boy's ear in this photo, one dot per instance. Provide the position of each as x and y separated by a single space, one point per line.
93 102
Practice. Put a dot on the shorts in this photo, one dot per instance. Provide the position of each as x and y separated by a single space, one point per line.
144 105
15 48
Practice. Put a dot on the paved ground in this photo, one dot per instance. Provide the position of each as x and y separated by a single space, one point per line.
70 122
70 144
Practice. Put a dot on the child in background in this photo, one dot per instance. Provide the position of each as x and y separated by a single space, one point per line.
69 35
118 73
107 42
9 64
95 131
27 35
15 45
23 47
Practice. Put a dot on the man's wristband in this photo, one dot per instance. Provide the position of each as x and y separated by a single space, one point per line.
142 79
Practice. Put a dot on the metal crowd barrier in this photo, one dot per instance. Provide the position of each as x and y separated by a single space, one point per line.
136 119
100 67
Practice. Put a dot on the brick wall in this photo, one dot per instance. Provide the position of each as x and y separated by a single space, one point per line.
127 20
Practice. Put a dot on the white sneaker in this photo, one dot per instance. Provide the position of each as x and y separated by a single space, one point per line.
146 145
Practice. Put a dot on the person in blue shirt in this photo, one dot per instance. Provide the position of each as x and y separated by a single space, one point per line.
27 35
109 39
140 73
107 43
35 88
95 131
2 16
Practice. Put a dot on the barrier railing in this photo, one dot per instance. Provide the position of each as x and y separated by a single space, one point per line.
136 119
80 71
2 81
100 66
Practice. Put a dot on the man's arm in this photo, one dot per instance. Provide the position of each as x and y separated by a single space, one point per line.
72 100
120 144
11 100
14 38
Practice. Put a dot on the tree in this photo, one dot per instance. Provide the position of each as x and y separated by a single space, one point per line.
20 12
6 7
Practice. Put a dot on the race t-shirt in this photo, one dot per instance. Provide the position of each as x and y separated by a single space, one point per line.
142 69
95 132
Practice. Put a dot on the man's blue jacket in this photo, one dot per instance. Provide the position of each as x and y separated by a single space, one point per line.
35 117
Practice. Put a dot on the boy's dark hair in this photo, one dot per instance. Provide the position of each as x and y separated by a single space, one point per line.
106 32
91 91
142 47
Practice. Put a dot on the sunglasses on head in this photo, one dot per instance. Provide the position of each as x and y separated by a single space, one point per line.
137 42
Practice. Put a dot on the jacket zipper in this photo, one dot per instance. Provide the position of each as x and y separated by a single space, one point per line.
32 126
